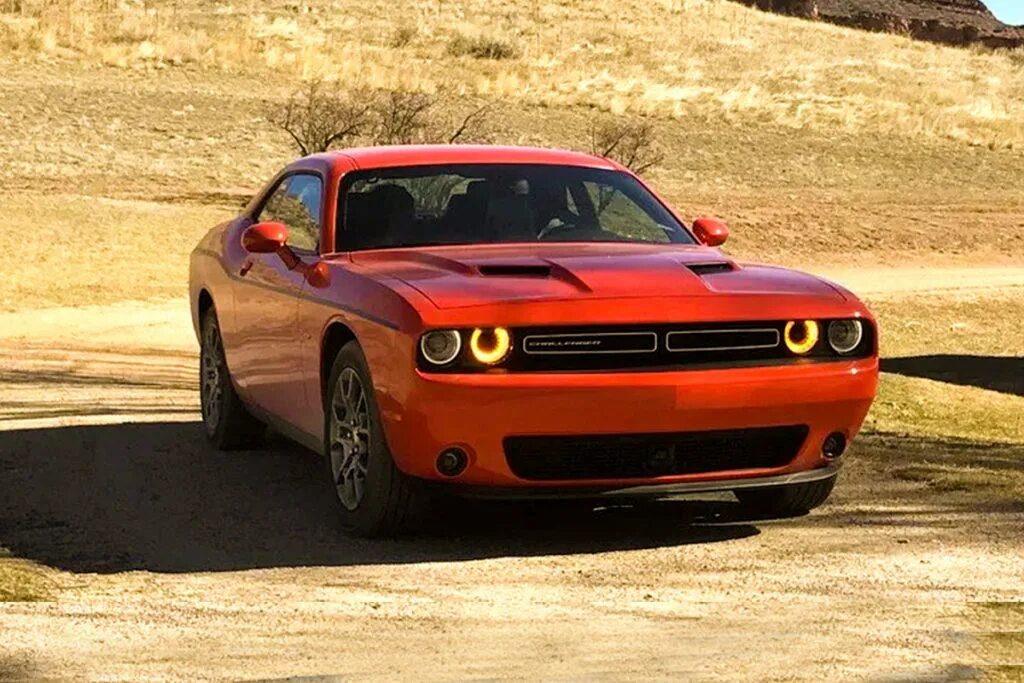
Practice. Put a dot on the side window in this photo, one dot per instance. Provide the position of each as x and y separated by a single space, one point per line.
296 203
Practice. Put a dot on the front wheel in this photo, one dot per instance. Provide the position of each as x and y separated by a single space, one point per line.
786 501
374 497
228 424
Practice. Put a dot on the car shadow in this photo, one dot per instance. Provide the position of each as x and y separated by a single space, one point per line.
157 497
1002 374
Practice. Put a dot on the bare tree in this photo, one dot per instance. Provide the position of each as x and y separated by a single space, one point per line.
470 123
400 117
631 143
316 118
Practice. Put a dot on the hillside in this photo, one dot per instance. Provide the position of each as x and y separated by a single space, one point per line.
143 124
954 22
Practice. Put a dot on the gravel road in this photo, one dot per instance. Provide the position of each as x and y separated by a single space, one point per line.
170 561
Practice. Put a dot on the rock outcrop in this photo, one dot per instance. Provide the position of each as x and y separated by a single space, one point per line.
953 22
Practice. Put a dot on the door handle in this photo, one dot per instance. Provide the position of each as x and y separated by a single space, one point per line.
246 267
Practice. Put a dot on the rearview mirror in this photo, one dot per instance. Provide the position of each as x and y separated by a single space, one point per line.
265 238
710 231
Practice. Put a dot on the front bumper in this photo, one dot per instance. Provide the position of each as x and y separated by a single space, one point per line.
644 490
476 412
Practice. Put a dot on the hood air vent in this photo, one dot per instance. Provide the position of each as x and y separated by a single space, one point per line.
711 267
513 270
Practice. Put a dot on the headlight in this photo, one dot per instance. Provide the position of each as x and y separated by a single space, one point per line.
440 347
845 335
490 346
801 336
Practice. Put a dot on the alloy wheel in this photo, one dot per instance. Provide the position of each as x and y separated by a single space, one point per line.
349 438
211 373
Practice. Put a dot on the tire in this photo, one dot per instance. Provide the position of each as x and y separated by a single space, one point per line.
786 501
374 497
228 425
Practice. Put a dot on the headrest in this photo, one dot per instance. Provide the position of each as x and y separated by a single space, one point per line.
394 197
478 189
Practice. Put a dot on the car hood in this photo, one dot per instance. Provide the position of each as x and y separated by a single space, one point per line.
453 277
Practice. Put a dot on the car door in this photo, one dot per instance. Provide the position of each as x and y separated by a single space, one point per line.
268 349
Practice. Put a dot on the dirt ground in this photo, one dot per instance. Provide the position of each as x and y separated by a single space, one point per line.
166 560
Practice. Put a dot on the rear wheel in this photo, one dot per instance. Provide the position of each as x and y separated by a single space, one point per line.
374 497
228 424
786 501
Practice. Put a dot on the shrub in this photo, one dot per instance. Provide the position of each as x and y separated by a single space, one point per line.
400 118
317 119
403 35
482 47
631 143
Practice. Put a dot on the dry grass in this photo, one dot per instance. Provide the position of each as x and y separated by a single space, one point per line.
1000 639
93 250
22 581
482 47
983 428
946 478
841 145
675 59
981 325
791 196
925 407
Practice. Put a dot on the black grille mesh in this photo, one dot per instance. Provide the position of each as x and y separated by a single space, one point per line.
634 456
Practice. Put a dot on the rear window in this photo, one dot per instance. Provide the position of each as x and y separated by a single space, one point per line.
495 203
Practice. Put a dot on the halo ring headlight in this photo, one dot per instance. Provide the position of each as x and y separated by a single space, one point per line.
844 336
801 344
490 346
441 347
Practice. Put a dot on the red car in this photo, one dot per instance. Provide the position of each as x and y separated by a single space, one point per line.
505 321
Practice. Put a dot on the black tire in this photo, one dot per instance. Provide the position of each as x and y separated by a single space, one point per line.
228 425
786 501
388 502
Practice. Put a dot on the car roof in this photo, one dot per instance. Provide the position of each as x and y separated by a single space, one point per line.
425 155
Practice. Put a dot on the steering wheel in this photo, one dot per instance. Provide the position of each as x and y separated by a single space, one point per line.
559 219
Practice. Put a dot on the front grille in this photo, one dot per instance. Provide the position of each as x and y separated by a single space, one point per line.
635 456
654 347
694 341
664 346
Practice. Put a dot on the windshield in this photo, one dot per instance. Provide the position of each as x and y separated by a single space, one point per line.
492 203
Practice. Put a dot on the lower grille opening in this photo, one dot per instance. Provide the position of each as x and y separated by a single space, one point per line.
636 456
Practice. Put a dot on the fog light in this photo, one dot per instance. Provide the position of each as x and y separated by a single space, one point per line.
490 346
834 445
452 462
801 336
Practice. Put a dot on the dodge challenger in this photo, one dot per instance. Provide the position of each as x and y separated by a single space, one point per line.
516 322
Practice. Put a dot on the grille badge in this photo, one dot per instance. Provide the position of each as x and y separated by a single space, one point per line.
591 343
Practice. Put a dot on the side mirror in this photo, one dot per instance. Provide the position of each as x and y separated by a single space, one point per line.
265 238
710 231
